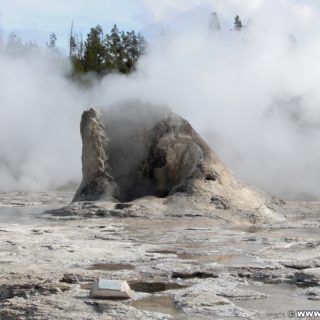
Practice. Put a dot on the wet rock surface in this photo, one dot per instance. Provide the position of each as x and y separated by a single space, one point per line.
184 262
22 206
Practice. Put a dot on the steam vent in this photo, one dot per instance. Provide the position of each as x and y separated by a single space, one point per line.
137 150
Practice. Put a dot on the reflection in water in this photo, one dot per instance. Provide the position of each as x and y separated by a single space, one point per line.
86 285
22 214
166 305
282 298
227 259
282 231
161 304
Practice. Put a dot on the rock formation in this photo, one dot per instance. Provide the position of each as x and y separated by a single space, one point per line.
97 181
136 150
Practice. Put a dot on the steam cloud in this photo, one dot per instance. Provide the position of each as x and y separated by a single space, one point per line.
254 95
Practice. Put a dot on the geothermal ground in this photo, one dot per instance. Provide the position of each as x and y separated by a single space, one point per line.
183 263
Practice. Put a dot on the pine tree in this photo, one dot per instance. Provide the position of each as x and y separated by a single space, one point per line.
77 54
52 41
72 42
237 23
118 51
214 23
114 49
94 51
130 51
14 45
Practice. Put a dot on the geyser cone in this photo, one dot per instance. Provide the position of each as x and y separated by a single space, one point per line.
136 150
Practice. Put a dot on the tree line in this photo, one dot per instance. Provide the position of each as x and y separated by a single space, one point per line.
101 53
117 51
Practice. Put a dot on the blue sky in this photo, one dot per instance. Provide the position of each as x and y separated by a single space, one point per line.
34 20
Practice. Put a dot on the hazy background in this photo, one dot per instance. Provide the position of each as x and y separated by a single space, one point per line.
254 95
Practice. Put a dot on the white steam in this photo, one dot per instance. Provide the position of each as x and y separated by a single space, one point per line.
254 95
39 121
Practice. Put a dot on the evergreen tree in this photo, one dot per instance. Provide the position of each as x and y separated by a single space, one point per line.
77 49
72 42
237 23
72 45
51 45
118 51
133 48
14 45
114 49
52 41
123 50
214 23
94 51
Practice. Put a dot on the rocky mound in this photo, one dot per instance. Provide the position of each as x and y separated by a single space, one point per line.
136 150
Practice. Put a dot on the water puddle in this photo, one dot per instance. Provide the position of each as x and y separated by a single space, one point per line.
306 233
283 297
280 232
86 286
227 259
152 287
111 267
162 304
23 215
